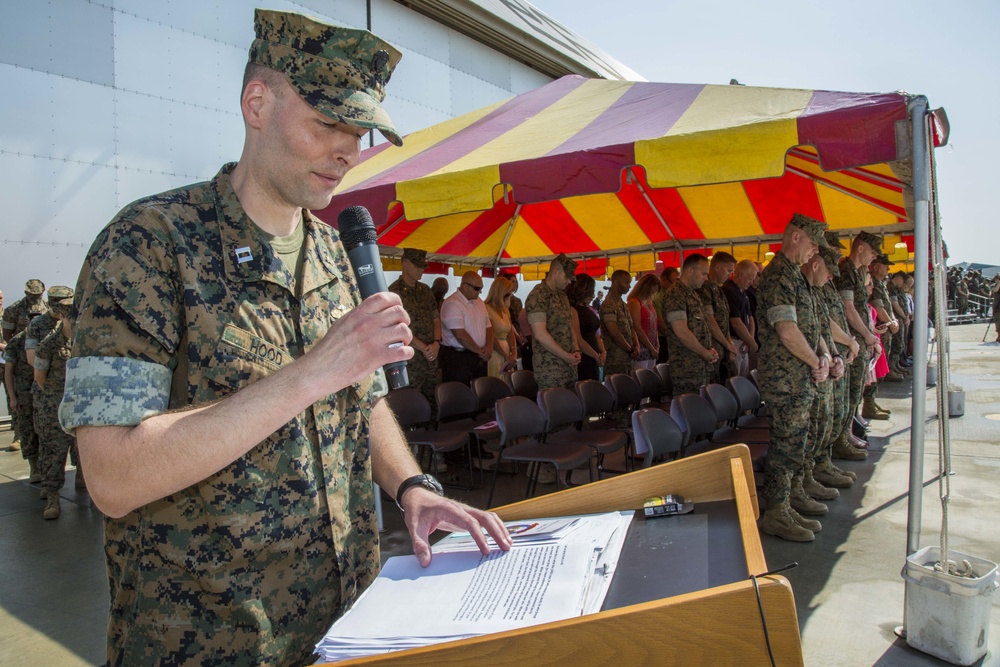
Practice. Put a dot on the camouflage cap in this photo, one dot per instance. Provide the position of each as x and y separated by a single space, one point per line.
834 240
873 240
568 265
812 227
416 257
883 258
34 286
340 72
59 293
831 257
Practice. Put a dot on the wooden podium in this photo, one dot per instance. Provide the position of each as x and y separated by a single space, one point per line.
712 626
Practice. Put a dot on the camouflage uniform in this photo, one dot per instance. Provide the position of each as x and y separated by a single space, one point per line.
617 359
821 417
20 313
785 382
14 320
181 302
688 370
55 443
851 286
421 306
717 306
841 415
37 329
24 378
551 308
896 295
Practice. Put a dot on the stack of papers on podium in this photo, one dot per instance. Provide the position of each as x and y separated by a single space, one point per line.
557 569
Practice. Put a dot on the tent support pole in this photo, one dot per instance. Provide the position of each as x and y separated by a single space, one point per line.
921 245
506 237
649 202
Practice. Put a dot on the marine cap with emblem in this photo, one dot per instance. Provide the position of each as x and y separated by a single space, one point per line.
416 257
874 241
812 228
831 257
60 298
340 72
834 240
34 287
568 265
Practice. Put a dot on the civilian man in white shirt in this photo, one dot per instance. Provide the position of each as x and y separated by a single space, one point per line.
466 332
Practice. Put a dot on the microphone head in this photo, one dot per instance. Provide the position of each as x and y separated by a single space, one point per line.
356 227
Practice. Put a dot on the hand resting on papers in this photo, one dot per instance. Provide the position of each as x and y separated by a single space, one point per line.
426 512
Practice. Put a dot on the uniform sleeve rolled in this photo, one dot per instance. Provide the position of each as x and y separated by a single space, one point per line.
112 391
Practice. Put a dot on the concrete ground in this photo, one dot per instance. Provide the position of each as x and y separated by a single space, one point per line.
848 589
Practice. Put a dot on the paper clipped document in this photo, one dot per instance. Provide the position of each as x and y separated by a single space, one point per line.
557 569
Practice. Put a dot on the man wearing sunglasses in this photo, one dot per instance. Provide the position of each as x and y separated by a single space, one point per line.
466 332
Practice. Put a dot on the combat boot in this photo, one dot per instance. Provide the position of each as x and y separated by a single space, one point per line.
778 521
15 446
809 524
817 490
81 484
826 475
893 376
843 449
34 476
869 411
840 471
51 507
804 504
880 408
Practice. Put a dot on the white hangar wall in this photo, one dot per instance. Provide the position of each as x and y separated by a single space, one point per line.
108 101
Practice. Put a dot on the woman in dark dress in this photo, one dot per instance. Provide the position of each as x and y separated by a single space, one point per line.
587 327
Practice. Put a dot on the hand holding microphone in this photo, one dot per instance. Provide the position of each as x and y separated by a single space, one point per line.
357 232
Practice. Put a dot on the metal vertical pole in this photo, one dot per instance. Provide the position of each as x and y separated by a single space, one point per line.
921 238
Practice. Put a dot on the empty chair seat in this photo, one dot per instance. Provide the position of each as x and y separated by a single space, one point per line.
727 413
413 412
663 370
523 383
748 400
564 415
662 435
651 388
522 430
696 417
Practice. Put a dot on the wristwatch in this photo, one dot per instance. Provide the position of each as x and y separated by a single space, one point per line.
429 482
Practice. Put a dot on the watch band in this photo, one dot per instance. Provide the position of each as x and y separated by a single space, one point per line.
429 482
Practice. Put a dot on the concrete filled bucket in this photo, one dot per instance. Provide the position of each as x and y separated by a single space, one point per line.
948 616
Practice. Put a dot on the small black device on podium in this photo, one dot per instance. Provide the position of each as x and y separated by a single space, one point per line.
429 482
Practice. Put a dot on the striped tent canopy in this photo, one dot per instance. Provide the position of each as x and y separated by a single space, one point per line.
619 174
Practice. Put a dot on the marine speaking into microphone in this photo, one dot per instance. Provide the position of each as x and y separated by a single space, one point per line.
357 233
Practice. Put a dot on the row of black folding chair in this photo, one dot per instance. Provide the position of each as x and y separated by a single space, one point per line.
523 432
413 412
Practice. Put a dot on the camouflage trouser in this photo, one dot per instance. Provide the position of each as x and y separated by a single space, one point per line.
25 416
896 351
715 370
55 443
788 416
857 378
551 371
822 423
688 373
617 361
840 417
423 375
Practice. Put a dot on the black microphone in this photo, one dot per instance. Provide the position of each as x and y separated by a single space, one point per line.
357 232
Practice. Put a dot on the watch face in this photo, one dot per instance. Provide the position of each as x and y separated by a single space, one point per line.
430 483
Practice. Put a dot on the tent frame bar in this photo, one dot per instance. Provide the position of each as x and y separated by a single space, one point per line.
652 207
921 245
840 189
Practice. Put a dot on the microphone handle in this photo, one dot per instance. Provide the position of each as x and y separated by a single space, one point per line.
368 273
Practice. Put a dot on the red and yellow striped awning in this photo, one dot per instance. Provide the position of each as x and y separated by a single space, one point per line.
621 174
